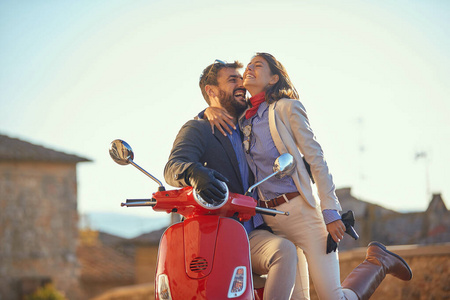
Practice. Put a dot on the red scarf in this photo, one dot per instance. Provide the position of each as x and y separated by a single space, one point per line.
255 101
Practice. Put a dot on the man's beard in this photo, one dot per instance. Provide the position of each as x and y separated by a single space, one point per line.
234 107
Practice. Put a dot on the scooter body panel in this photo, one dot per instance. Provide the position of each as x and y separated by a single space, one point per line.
200 234
199 257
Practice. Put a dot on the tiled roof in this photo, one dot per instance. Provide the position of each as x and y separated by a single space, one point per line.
12 149
437 203
101 263
111 240
151 238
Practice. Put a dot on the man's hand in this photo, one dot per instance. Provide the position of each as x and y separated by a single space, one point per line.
336 230
206 182
219 118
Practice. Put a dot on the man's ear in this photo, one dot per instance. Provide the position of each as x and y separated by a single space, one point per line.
210 91
274 79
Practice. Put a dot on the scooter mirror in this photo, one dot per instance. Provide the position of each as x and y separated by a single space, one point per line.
121 152
284 165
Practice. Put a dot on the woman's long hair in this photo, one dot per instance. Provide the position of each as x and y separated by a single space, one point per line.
284 87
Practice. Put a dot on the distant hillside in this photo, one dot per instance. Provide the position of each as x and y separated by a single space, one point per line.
122 225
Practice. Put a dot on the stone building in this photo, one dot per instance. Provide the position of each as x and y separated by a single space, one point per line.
374 222
38 219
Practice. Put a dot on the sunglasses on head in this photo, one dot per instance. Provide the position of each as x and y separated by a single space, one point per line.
216 62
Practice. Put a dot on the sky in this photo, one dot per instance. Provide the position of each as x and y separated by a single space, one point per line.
373 76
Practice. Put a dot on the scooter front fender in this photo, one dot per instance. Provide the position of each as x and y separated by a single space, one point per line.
199 257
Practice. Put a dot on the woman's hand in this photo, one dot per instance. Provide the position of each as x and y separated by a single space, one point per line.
336 230
219 118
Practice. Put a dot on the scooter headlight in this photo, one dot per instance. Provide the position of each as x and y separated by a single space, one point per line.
216 204
163 287
238 282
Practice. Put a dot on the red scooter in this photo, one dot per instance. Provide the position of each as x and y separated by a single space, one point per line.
207 255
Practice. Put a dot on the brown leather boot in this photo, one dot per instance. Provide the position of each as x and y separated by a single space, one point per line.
366 277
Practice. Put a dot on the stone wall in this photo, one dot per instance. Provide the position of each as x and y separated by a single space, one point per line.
145 263
430 266
144 291
38 227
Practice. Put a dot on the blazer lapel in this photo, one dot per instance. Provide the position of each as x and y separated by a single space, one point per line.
274 131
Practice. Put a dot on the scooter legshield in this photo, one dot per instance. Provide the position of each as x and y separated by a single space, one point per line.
199 257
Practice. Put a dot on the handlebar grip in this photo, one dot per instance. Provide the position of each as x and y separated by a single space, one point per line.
270 212
139 202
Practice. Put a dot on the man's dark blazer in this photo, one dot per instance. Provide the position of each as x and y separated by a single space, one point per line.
196 144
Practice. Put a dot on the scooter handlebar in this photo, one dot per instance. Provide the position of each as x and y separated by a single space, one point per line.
139 202
270 212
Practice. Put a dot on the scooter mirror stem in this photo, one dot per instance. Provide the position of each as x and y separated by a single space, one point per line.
123 154
250 189
283 165
160 188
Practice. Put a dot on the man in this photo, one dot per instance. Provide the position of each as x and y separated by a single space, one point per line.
201 159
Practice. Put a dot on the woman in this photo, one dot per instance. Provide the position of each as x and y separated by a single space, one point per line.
277 123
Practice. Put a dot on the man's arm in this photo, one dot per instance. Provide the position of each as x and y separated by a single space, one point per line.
184 166
188 147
